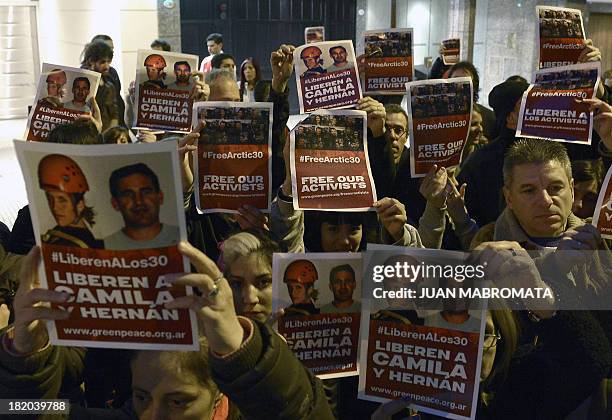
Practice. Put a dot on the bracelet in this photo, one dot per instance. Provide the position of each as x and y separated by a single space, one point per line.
282 197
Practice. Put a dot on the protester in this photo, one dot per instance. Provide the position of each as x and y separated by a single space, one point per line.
588 180
113 76
250 76
214 44
116 135
224 61
97 57
160 45
467 69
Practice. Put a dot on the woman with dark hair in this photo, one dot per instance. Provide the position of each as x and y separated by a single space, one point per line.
97 57
588 178
250 74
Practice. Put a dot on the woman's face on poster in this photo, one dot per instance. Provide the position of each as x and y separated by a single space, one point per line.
64 211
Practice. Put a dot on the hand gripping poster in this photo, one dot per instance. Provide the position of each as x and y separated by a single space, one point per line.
108 220
330 169
549 107
63 95
326 75
320 294
314 34
602 219
165 90
426 349
452 52
233 163
560 36
440 112
388 61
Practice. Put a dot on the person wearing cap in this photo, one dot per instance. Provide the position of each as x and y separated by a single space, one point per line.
55 89
155 65
482 170
311 56
300 276
65 186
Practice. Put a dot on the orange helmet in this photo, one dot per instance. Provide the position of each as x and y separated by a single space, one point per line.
301 271
155 61
57 76
310 52
59 172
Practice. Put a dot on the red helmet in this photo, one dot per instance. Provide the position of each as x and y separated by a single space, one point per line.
155 61
301 271
310 52
57 76
59 172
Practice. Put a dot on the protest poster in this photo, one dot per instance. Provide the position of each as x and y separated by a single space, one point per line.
54 105
602 218
314 34
330 169
108 219
321 299
164 98
388 61
440 112
233 164
560 36
549 108
410 348
326 75
452 51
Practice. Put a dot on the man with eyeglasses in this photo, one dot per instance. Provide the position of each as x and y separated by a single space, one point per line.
390 162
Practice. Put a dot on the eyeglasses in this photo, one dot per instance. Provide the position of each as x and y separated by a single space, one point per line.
399 131
490 340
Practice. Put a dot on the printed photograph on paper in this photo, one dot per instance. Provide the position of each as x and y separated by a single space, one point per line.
63 95
388 61
108 219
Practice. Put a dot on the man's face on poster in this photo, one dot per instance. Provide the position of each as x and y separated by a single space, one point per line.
182 73
80 91
342 286
138 200
64 210
338 54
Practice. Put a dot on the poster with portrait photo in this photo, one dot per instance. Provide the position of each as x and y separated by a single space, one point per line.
314 34
452 51
439 114
63 94
330 168
326 75
233 163
408 347
602 218
165 90
320 294
561 37
108 220
389 64
549 109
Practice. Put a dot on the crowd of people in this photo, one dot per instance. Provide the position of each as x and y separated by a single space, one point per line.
234 125
509 195
390 44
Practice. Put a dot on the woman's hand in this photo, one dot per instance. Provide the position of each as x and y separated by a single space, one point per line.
212 301
433 187
31 306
